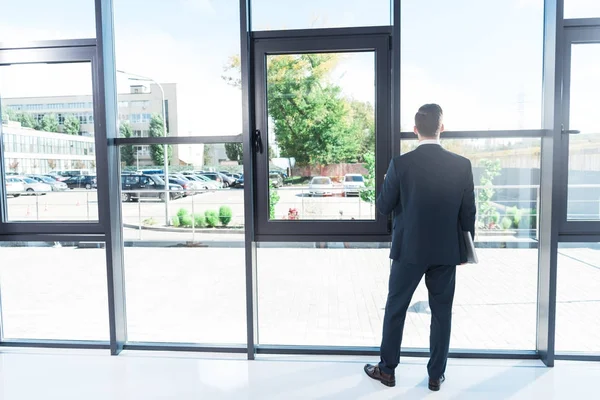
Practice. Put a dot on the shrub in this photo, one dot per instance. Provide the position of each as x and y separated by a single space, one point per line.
175 221
212 218
273 200
182 213
506 223
225 215
149 221
495 217
199 220
515 216
186 221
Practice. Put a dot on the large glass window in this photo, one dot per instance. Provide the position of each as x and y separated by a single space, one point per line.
309 14
578 298
62 300
584 148
45 20
47 182
461 55
184 258
582 9
321 116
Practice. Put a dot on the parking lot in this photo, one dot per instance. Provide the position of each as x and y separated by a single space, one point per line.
82 205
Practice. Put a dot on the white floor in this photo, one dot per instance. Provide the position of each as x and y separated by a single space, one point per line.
39 374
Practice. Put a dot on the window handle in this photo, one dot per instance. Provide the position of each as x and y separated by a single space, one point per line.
569 132
258 144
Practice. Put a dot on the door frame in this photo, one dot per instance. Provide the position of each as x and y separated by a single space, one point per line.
573 35
373 40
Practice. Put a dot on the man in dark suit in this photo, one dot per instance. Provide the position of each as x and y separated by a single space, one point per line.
430 191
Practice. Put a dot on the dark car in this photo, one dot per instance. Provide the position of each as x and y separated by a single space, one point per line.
81 182
275 179
239 183
188 189
150 186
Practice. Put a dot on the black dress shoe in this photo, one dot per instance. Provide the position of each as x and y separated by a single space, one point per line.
434 384
374 372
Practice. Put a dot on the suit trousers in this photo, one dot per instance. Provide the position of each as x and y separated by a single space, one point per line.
404 279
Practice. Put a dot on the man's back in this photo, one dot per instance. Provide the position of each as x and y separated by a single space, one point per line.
430 190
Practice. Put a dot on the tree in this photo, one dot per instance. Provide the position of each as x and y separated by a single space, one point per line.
49 123
26 120
51 164
157 151
208 154
78 164
235 152
487 214
72 125
313 122
8 114
368 193
127 151
362 117
14 165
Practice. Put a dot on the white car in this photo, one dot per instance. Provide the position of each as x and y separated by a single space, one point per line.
203 184
33 187
320 186
14 186
353 184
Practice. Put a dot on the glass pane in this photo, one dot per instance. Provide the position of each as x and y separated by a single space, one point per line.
321 135
198 68
309 14
185 268
582 9
47 20
334 294
49 150
578 300
63 300
488 81
584 148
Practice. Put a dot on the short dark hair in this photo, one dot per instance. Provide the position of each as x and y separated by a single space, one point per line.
428 120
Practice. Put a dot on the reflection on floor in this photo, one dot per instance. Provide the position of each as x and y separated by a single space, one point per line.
95 375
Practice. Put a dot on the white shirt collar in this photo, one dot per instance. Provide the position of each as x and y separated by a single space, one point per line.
430 141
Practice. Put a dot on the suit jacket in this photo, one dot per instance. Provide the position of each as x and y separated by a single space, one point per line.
431 193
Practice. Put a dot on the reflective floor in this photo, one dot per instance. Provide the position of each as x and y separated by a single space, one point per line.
39 374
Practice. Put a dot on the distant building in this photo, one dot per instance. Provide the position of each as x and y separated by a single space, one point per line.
29 151
135 107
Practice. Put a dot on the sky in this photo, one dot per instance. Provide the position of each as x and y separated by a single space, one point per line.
480 59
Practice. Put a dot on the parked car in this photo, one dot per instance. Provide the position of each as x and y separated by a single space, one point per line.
282 173
150 186
227 180
188 190
57 177
56 185
239 182
204 184
320 186
275 179
215 176
217 184
82 182
14 186
353 184
33 187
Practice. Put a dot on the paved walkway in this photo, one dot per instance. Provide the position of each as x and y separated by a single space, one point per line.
307 296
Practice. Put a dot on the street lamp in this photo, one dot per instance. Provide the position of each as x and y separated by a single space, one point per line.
135 77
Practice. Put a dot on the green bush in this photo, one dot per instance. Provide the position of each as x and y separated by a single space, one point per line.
175 221
212 218
199 220
225 215
506 223
182 213
515 216
186 221
528 218
495 217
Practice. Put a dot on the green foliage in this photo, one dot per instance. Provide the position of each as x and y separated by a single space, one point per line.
368 194
157 151
127 151
71 125
486 209
208 154
199 220
49 123
186 221
506 223
182 212
8 114
212 218
225 215
313 122
515 216
273 200
235 152
175 221
27 121
149 221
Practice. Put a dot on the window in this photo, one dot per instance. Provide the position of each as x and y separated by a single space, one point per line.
488 81
288 14
582 9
